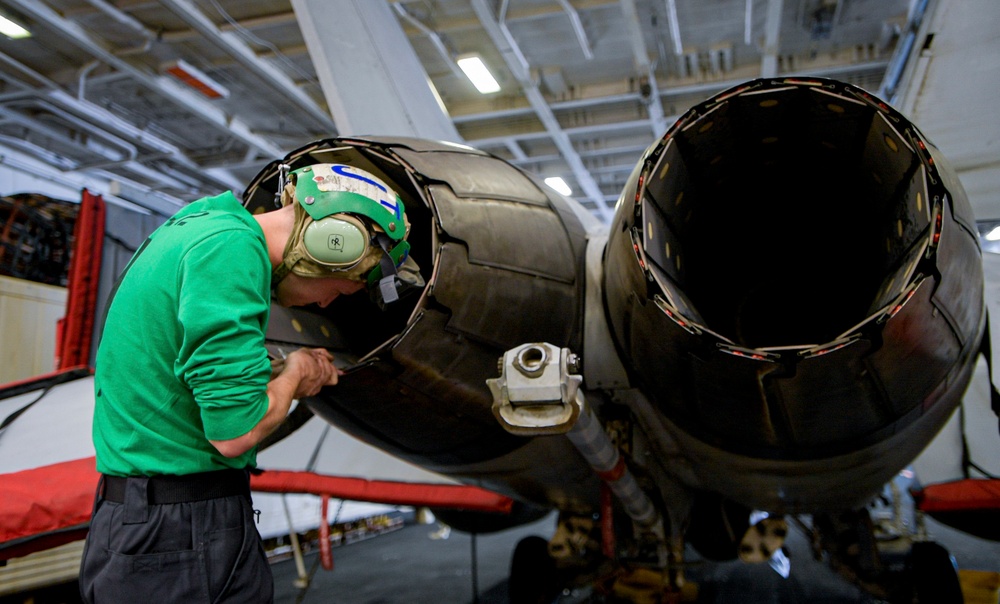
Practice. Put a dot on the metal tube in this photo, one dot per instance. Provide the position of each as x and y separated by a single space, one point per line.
301 579
596 447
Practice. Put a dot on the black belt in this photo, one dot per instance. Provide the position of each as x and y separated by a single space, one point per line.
184 488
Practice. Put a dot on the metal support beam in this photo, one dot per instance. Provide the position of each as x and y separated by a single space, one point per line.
653 103
772 35
84 113
675 27
231 43
371 77
520 68
160 84
581 33
432 35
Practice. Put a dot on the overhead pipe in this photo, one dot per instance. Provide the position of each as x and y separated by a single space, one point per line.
78 165
59 176
149 36
53 159
581 33
131 151
122 17
129 161
245 55
432 35
58 135
25 70
214 178
167 87
98 121
82 79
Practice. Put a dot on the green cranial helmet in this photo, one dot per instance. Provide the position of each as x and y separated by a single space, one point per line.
348 224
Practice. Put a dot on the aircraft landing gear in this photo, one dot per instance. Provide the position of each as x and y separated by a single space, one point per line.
533 576
933 574
902 570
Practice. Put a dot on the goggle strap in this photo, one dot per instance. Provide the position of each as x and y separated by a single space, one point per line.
387 284
282 179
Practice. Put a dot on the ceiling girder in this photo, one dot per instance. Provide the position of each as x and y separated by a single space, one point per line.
520 68
160 84
238 49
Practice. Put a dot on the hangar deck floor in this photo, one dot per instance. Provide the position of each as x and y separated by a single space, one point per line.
414 565
411 565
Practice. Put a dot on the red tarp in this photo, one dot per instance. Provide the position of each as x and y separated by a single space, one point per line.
971 505
47 506
969 494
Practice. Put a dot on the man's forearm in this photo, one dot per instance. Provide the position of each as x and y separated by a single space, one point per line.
280 393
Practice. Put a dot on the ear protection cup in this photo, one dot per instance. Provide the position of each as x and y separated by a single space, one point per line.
338 241
347 223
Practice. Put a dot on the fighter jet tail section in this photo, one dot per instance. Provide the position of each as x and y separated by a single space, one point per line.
795 277
783 312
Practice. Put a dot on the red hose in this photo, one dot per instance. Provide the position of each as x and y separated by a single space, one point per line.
607 523
325 549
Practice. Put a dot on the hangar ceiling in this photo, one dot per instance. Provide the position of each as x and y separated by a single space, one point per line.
188 97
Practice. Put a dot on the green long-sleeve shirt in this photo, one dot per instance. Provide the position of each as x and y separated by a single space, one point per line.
182 358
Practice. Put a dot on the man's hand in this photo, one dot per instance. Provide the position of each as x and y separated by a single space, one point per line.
315 370
302 373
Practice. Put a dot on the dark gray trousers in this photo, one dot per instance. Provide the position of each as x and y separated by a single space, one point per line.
203 551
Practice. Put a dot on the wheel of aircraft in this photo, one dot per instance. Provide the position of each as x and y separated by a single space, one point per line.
933 574
532 573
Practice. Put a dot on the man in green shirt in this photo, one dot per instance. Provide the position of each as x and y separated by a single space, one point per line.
185 390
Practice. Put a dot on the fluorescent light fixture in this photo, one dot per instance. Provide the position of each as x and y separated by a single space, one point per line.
559 185
196 79
12 30
994 234
476 71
